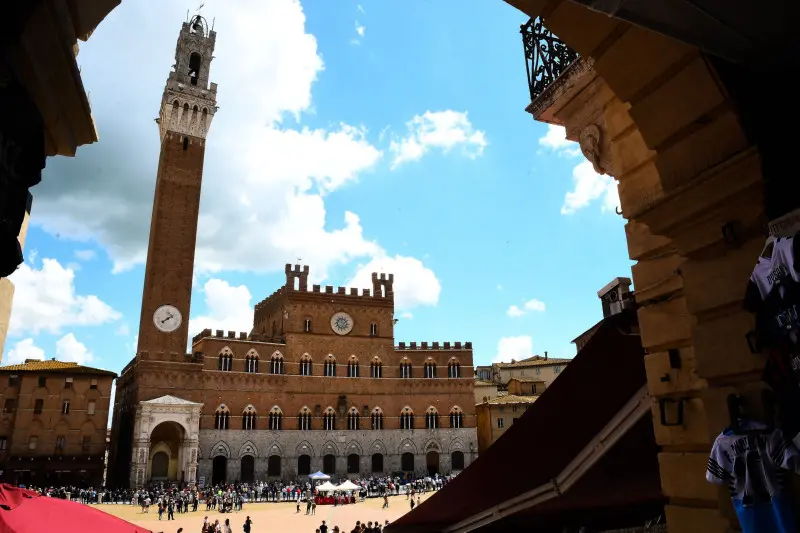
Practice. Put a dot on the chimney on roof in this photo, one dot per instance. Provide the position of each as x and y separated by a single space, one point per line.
616 297
545 355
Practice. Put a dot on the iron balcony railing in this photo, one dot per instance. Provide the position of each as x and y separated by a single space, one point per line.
546 56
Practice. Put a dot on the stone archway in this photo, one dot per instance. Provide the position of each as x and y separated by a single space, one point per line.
657 115
166 452
165 427
432 462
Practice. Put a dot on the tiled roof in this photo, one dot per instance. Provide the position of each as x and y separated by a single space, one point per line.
512 398
536 360
51 365
483 382
527 380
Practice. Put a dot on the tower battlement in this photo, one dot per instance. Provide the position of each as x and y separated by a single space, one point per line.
433 346
297 282
232 335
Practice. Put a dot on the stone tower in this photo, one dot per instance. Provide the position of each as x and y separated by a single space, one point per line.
187 107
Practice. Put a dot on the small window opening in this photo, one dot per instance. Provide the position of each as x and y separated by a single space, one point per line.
186 143
194 68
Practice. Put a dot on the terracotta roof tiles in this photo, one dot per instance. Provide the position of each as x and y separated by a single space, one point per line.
52 365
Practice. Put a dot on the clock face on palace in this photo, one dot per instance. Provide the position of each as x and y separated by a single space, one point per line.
167 318
341 323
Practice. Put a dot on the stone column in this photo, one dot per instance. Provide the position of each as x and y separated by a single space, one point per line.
139 460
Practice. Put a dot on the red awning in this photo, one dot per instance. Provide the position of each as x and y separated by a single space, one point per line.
25 511
590 391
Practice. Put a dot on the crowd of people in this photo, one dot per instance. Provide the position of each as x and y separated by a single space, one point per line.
170 498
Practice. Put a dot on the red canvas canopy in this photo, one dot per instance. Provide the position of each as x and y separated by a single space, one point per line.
26 511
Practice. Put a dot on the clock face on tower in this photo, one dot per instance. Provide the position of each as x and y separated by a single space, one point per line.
167 318
341 323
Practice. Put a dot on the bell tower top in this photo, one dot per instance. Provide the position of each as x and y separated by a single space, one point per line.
189 100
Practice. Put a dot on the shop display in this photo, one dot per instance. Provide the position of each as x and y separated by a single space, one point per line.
773 295
754 462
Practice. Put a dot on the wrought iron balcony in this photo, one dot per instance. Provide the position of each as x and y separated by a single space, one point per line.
546 56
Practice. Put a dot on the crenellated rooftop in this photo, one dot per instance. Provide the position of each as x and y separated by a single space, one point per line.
233 335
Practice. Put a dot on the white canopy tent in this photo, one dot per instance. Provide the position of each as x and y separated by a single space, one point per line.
327 487
348 485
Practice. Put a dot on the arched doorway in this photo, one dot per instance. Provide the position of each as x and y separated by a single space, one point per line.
248 469
219 470
353 464
160 467
457 460
432 462
377 462
407 462
166 461
329 464
303 465
274 465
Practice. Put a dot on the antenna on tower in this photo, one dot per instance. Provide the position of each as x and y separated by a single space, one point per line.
213 20
187 15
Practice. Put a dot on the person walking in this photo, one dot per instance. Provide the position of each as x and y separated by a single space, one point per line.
247 525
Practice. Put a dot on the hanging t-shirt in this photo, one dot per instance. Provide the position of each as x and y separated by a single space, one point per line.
773 293
755 468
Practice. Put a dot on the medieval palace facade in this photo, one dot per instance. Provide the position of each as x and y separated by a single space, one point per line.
317 384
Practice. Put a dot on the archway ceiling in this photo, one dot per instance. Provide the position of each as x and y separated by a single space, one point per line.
759 33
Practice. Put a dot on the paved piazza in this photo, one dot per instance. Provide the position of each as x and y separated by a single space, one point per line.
270 517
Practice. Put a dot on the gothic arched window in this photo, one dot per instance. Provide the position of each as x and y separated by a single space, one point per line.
353 419
330 366
430 368
405 368
249 417
225 362
431 418
453 368
456 417
329 419
304 419
251 362
352 367
407 418
276 363
222 418
377 418
275 418
305 365
376 368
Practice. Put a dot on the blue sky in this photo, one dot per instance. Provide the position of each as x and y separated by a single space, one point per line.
359 136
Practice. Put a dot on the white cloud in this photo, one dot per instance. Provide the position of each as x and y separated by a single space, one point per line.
588 187
443 130
556 140
123 330
414 284
530 305
516 348
534 305
360 29
588 184
499 287
227 308
406 315
261 208
360 8
22 350
85 255
45 300
68 348
514 311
